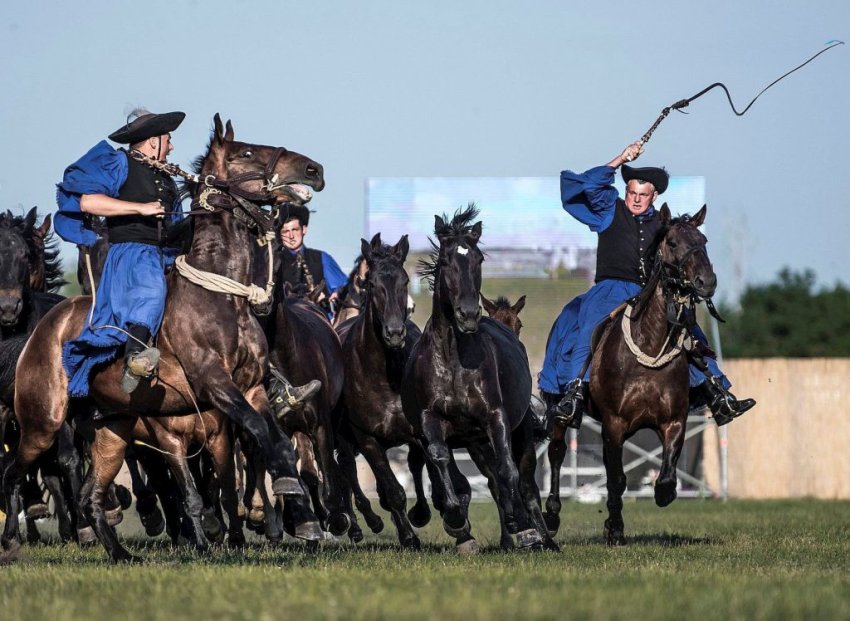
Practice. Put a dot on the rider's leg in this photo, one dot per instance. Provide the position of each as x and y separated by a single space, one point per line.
714 388
140 360
284 397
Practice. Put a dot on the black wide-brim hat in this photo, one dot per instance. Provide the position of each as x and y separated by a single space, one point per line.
288 212
147 126
658 177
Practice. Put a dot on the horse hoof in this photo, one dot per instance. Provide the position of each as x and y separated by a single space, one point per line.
125 498
355 535
338 524
468 547
665 493
86 536
114 516
125 558
550 546
614 537
288 487
38 511
412 543
153 522
309 531
236 539
375 523
457 533
507 543
419 516
553 523
528 538
212 527
312 547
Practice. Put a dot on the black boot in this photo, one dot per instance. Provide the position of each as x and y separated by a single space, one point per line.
722 403
284 397
140 361
569 411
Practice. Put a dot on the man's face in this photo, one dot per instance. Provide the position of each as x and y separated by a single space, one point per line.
639 196
162 146
292 234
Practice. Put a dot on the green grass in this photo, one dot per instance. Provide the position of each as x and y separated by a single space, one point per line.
695 559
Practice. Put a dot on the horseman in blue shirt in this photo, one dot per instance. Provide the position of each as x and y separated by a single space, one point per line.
141 206
624 258
302 265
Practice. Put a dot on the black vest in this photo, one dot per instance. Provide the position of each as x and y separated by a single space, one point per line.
292 273
625 248
143 185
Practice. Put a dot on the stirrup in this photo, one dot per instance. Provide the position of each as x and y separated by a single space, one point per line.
138 366
569 410
724 406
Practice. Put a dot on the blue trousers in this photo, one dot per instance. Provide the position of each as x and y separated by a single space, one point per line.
131 291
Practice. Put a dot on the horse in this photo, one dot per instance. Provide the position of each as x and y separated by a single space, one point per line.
214 355
376 346
352 293
30 275
632 387
504 312
467 384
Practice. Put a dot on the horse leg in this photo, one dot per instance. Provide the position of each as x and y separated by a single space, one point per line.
391 492
219 448
485 462
146 505
261 505
348 465
281 464
332 492
205 483
612 456
70 466
419 514
672 436
107 457
522 444
160 479
438 453
507 475
465 543
557 451
52 479
310 474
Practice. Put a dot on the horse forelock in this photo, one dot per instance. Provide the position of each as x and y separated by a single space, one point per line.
41 249
453 231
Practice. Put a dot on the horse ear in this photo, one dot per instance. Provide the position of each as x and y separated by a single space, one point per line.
401 248
218 128
365 250
665 214
475 233
520 304
699 217
439 225
317 291
228 132
29 219
44 229
376 241
488 305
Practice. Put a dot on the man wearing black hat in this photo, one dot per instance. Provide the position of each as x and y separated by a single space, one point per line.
626 228
302 265
141 206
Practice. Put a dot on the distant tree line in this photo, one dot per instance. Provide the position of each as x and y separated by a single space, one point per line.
788 318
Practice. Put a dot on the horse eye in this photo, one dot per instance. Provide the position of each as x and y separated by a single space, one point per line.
247 154
672 244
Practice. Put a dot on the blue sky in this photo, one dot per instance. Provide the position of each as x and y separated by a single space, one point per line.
466 89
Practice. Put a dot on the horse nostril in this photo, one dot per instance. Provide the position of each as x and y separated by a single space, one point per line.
312 171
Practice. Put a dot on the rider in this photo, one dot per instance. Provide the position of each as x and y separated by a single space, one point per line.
299 262
141 205
624 258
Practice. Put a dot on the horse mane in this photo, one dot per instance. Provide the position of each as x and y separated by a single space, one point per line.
460 225
502 302
641 300
53 273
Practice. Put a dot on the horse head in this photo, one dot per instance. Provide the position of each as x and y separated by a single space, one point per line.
261 173
683 255
502 311
386 286
456 268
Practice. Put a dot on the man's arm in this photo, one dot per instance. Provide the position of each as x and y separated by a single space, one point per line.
335 278
103 205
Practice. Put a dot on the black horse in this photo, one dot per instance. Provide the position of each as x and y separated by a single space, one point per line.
212 347
376 345
467 384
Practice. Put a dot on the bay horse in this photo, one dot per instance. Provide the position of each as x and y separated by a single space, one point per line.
467 384
628 391
213 350
376 346
504 312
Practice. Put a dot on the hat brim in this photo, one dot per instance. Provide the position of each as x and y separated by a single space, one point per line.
148 126
658 177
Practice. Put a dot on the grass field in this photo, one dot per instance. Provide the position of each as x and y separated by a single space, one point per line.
695 559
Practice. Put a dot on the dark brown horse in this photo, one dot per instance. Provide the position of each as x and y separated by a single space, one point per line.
639 374
467 385
213 350
376 347
504 312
